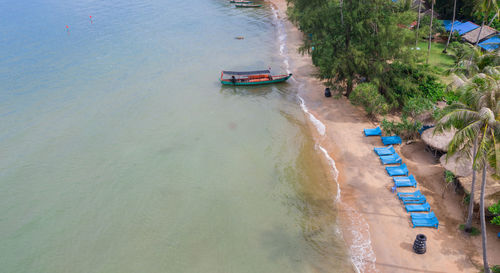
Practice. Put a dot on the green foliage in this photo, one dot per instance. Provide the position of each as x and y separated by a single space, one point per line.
432 89
450 97
466 199
464 9
405 81
425 22
460 51
354 39
495 269
406 129
415 106
495 209
474 230
449 176
367 95
470 61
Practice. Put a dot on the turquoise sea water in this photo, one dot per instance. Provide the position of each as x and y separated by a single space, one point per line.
121 152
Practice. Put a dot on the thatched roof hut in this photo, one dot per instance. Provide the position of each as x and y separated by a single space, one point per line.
471 36
458 164
438 141
491 192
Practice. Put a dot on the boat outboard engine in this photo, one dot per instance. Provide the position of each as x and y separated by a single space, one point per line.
327 92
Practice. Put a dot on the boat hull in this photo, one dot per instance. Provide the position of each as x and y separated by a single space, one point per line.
228 82
247 6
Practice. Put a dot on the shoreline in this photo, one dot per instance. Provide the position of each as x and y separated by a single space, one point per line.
382 237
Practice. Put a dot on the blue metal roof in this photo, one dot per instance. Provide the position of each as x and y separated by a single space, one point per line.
447 25
464 27
445 22
491 44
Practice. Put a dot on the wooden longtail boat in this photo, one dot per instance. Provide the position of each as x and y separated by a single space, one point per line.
251 77
248 6
240 1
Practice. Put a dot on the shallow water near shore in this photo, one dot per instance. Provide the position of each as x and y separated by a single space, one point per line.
121 151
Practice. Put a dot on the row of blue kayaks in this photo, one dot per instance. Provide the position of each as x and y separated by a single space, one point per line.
415 202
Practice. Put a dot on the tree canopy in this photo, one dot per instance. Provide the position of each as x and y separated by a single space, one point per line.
354 39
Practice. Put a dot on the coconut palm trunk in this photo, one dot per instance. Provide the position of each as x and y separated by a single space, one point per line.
468 224
430 32
479 35
492 19
477 42
341 2
483 221
452 25
418 21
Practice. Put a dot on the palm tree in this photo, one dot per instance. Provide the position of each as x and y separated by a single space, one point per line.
476 120
485 7
430 32
470 60
480 91
488 151
452 25
418 21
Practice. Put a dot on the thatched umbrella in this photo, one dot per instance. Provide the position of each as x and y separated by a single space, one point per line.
438 141
491 192
458 164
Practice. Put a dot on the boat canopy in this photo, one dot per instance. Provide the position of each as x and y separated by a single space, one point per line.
258 72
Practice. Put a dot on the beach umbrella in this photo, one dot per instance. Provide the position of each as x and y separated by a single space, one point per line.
491 192
458 164
439 141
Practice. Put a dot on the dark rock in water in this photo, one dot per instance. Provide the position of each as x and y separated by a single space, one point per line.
420 244
327 92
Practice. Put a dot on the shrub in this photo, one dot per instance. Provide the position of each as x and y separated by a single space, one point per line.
432 90
405 81
495 209
367 95
460 51
466 200
451 97
416 106
436 27
449 176
474 230
406 129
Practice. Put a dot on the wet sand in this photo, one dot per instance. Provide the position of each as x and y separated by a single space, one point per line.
375 224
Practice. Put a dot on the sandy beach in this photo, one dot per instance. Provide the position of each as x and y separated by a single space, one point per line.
375 224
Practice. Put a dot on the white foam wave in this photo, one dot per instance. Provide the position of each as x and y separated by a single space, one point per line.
362 255
317 123
334 170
